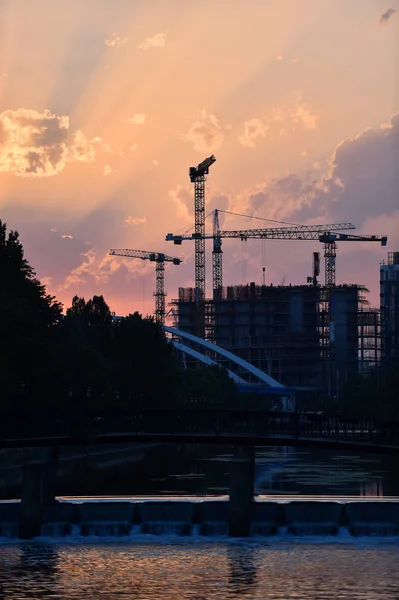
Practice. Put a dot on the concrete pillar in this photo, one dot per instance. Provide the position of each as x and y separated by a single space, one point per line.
31 515
242 468
38 489
50 476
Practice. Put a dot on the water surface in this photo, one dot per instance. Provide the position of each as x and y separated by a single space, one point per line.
179 570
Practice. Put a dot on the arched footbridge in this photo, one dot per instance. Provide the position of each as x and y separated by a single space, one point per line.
260 382
197 425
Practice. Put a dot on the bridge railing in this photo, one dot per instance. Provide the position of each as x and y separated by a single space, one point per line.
212 422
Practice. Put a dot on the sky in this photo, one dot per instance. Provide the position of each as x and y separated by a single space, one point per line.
105 104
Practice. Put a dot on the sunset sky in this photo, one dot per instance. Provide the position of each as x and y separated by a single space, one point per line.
105 104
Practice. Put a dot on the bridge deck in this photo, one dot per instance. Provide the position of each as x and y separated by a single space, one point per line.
202 426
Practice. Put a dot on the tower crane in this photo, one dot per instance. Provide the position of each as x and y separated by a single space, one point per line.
197 176
160 259
327 234
295 232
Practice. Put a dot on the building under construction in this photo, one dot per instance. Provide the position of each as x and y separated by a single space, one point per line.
306 336
285 330
389 298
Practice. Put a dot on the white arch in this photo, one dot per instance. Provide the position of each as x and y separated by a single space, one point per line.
229 355
206 360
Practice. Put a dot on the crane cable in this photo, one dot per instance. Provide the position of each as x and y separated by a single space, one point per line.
143 287
187 231
228 212
263 261
244 261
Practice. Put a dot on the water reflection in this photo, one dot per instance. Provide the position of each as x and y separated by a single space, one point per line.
187 571
200 469
242 578
28 565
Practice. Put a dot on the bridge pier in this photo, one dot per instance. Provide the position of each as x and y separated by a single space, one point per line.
50 476
38 490
242 471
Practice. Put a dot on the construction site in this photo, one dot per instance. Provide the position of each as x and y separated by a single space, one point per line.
310 337
285 332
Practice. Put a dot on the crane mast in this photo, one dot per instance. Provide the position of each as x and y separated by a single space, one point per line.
330 239
159 258
197 176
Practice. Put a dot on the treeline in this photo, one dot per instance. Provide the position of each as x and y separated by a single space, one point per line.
85 360
375 395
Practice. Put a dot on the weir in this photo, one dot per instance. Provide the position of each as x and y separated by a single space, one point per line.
38 490
206 517
242 470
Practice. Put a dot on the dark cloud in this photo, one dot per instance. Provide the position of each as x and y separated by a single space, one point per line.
384 18
361 187
220 201
362 182
364 178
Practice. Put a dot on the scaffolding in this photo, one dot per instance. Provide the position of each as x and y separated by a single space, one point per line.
369 324
283 330
389 304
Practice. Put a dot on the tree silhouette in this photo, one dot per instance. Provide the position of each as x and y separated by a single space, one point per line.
95 312
28 318
85 361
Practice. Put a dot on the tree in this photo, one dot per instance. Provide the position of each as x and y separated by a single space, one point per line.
86 340
124 363
28 318
143 360
374 395
209 385
94 312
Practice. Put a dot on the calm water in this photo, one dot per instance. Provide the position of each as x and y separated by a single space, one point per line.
179 571
187 469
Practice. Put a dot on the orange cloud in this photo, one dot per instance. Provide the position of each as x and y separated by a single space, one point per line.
205 134
138 119
156 41
38 144
32 144
135 220
77 275
83 149
299 113
295 112
115 41
253 129
182 199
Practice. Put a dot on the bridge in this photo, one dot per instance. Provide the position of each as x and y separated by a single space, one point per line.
244 429
255 381
205 426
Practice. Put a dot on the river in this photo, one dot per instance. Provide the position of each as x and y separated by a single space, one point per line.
177 570
201 469
163 567
194 469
